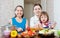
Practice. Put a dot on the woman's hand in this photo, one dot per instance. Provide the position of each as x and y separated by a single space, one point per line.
39 26
19 29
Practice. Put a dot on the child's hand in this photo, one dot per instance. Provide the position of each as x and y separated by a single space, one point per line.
53 25
19 29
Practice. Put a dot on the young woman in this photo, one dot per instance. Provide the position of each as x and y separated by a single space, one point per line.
19 21
35 19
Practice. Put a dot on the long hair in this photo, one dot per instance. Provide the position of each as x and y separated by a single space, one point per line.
16 9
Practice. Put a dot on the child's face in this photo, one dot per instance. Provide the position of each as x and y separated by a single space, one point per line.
43 18
37 10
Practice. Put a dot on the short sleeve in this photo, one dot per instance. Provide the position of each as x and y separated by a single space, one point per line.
31 23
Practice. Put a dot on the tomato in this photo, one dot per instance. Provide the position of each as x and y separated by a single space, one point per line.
28 28
30 33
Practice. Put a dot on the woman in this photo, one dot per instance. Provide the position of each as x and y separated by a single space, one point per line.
19 21
35 19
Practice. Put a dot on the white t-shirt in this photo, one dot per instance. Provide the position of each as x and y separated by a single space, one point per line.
34 20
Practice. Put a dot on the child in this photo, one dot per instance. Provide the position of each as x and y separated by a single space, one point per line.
44 21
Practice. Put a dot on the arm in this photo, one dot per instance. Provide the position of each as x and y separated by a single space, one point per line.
40 26
53 25
27 24
20 29
10 21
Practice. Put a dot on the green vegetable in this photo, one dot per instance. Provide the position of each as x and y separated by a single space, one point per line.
58 32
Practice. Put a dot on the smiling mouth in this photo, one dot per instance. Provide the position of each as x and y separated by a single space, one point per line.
19 13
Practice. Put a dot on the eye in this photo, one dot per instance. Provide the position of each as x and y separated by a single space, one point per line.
45 16
35 9
39 8
42 17
17 10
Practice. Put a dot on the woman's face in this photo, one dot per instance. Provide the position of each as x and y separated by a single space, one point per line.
19 12
43 18
37 10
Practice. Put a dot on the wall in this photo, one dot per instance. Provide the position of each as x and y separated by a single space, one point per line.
50 9
53 9
7 9
57 13
43 4
28 11
48 5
